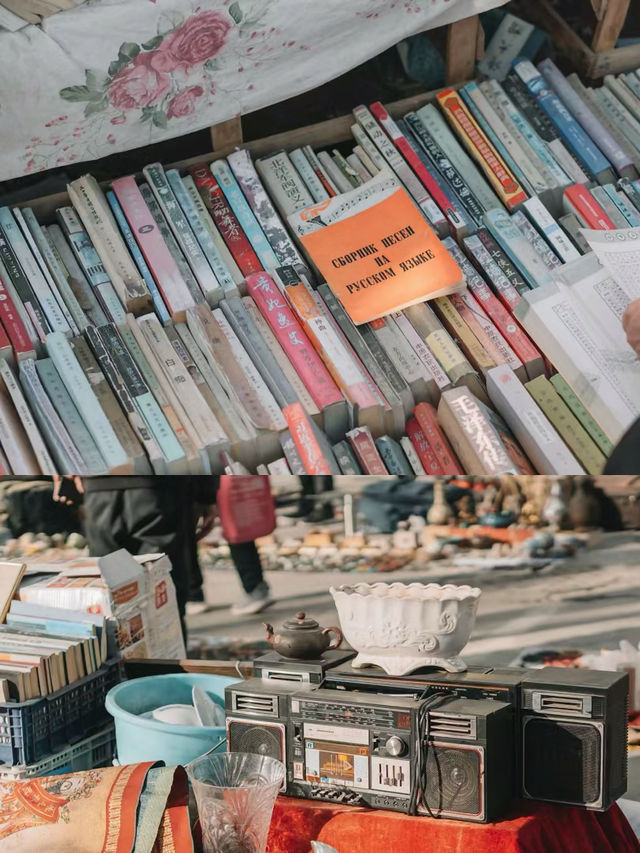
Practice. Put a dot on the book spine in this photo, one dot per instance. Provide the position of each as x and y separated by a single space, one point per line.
305 440
308 175
425 453
330 188
632 219
483 261
294 460
400 141
568 128
12 323
412 456
5 345
201 233
366 451
87 198
499 175
91 263
273 227
351 174
554 234
345 458
393 457
61 248
624 120
154 249
140 393
583 204
427 419
356 163
293 340
226 221
494 343
405 358
394 158
205 216
446 309
505 231
85 399
445 167
338 178
423 350
628 188
284 184
244 214
185 237
70 417
575 405
68 458
52 271
581 112
535 240
43 457
607 205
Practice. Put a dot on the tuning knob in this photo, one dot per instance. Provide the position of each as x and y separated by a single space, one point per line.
395 746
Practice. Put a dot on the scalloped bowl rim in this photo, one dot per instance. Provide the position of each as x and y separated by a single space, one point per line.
412 591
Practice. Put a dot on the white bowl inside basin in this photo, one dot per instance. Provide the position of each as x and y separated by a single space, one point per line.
402 627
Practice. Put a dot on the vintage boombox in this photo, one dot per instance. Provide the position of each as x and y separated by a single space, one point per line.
446 745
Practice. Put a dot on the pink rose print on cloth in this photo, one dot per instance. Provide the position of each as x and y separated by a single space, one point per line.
138 84
184 103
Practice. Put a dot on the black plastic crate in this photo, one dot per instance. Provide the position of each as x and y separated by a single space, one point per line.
31 730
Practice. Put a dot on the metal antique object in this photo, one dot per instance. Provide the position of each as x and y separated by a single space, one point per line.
302 638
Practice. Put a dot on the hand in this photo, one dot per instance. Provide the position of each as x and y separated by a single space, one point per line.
63 489
631 325
206 517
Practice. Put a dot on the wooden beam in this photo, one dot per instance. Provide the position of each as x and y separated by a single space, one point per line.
610 25
140 667
461 48
227 134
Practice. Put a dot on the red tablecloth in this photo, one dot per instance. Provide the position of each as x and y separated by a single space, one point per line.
533 828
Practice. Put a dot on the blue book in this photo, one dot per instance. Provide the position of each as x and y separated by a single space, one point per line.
240 206
580 143
130 240
514 243
631 216
394 457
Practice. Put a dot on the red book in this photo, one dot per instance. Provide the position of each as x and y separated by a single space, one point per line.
427 418
366 451
402 144
580 201
226 220
305 439
426 453
14 331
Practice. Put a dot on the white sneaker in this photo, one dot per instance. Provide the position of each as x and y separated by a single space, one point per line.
195 608
254 602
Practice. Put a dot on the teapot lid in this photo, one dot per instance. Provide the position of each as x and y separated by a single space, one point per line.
301 622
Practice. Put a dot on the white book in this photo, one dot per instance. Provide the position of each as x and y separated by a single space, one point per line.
284 184
279 467
205 216
623 94
11 385
46 299
69 265
624 120
335 173
366 161
86 402
412 456
563 332
407 362
356 163
606 203
211 434
526 420
555 235
316 165
205 276
367 148
67 457
308 175
94 211
423 352
619 252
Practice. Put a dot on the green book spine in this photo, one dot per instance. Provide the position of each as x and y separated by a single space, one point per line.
573 402
567 425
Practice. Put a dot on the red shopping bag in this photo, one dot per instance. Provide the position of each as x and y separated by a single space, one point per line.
246 507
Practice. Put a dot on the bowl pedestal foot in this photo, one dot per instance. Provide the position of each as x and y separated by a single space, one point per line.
404 665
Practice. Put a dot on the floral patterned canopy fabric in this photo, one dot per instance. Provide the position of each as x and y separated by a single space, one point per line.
112 75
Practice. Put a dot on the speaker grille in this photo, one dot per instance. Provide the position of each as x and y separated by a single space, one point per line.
258 739
562 761
454 781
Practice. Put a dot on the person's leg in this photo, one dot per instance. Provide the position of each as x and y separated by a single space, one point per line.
246 560
103 522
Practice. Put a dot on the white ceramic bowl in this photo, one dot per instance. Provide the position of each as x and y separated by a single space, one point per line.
402 627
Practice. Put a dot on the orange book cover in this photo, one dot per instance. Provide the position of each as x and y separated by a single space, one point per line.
382 259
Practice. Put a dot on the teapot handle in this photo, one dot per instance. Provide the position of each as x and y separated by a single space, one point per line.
335 643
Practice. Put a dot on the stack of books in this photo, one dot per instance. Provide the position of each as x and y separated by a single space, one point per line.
407 303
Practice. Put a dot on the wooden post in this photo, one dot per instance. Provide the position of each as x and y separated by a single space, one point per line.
227 133
610 23
462 45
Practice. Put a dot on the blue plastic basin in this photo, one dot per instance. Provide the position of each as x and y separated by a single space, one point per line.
141 739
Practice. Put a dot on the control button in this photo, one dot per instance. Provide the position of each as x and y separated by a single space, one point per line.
395 746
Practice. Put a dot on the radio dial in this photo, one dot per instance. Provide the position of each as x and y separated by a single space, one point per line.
395 746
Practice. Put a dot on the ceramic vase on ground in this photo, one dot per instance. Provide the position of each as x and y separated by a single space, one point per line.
439 511
555 509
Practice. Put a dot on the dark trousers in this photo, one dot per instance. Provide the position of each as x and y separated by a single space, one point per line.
144 520
312 485
246 560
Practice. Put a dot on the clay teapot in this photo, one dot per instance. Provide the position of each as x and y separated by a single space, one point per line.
302 638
